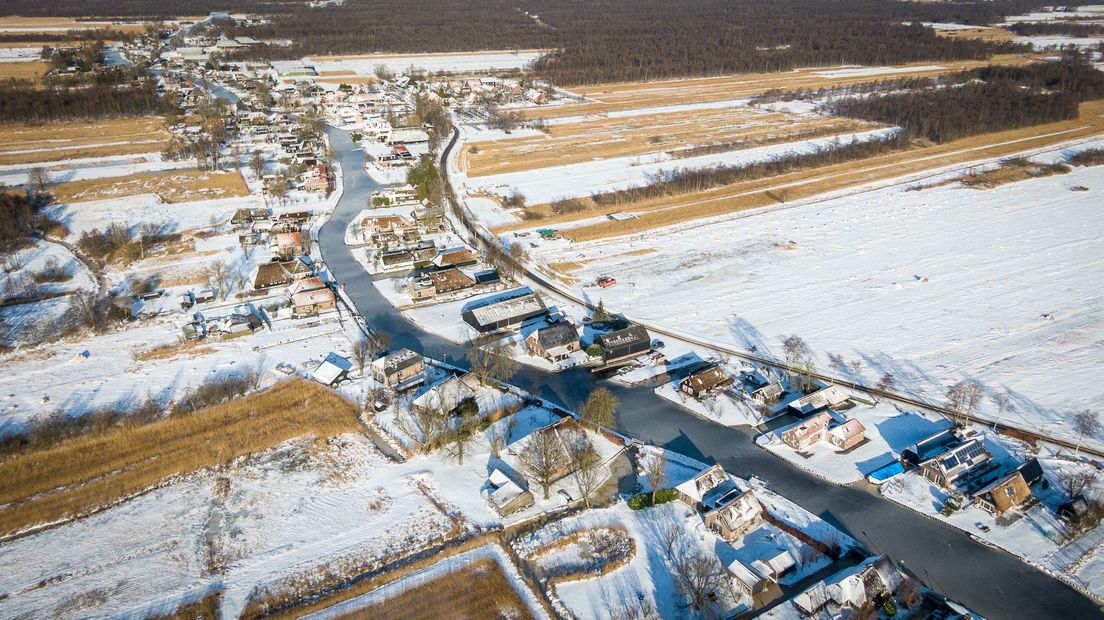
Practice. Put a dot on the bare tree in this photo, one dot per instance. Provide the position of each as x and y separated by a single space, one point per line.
1003 399
490 358
1085 423
700 580
458 442
434 423
257 163
887 383
798 356
38 178
220 278
1074 483
655 472
600 408
856 367
670 536
963 397
90 310
363 353
543 458
586 464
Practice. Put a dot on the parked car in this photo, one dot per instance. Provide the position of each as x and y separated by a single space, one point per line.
658 344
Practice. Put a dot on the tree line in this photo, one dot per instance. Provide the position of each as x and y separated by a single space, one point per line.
645 39
22 102
984 100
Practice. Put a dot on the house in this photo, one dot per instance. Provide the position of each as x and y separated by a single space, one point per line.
831 396
333 370
456 257
407 135
701 491
736 513
704 380
847 435
396 260
504 311
486 278
244 217
554 341
774 563
745 579
449 394
309 303
945 457
317 179
768 394
808 432
853 592
270 275
624 343
287 243
449 281
396 224
400 370
1003 494
561 433
507 496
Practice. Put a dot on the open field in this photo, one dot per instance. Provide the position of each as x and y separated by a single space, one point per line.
624 97
479 590
681 208
98 469
933 286
672 132
460 62
64 24
983 33
170 187
23 70
34 143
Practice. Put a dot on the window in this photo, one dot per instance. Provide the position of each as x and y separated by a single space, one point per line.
1010 491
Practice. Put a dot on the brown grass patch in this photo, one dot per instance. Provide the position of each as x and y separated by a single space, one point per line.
801 184
174 350
566 267
44 142
984 33
479 590
672 132
171 186
1012 171
57 24
636 95
32 70
206 608
93 471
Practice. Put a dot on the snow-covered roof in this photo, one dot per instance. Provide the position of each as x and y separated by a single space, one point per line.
497 478
331 368
448 394
503 495
830 396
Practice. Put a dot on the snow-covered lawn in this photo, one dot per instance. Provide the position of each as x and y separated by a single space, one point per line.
888 431
1001 286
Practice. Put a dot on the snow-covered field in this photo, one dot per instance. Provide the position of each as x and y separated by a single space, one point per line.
466 62
583 179
1001 286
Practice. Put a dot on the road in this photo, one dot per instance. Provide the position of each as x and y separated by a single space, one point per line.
989 581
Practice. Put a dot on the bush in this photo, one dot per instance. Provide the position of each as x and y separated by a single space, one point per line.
1088 157
644 500
568 205
594 350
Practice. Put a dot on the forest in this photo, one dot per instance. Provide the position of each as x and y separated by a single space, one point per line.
984 100
22 102
602 41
